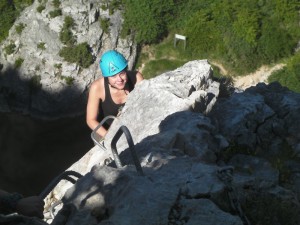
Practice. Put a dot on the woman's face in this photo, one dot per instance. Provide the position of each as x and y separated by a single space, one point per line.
119 80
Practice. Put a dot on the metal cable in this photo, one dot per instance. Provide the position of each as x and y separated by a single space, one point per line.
124 129
63 176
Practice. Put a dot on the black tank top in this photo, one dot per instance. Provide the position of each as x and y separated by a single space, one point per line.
108 107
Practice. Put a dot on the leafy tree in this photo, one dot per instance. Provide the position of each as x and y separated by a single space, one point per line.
289 76
200 29
147 20
7 17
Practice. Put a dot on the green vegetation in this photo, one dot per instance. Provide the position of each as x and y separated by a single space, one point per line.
69 80
156 67
79 54
40 8
9 11
114 5
18 63
20 27
241 35
157 15
41 45
10 48
111 5
56 3
66 35
104 24
289 76
55 13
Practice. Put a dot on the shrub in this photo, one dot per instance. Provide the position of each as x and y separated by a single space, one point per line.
19 28
56 3
41 45
10 49
79 54
40 8
114 5
55 13
58 65
69 80
156 14
289 76
66 35
104 24
19 62
68 22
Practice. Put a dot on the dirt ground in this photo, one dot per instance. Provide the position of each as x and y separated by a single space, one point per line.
261 75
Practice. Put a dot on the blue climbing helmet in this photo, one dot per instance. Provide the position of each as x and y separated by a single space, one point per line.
111 63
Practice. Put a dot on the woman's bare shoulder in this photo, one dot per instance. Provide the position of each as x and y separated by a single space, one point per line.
97 87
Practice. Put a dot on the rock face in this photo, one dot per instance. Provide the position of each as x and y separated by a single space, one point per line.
205 159
39 85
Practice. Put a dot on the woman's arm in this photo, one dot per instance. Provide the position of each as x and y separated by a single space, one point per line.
93 106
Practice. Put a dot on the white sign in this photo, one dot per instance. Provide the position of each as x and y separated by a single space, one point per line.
180 37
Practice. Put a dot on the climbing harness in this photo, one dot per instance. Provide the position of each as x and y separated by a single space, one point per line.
225 175
122 130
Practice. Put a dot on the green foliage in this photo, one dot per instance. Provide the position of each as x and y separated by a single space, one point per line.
55 13
20 27
104 24
289 76
79 54
9 11
156 67
68 22
58 66
104 7
56 3
69 80
18 63
10 48
40 8
156 13
244 34
114 5
41 45
7 17
22 4
66 35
